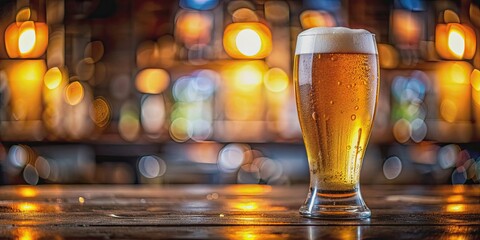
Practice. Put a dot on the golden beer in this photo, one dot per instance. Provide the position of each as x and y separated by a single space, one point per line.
336 96
336 77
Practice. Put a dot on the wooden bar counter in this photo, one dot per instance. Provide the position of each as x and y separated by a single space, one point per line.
231 212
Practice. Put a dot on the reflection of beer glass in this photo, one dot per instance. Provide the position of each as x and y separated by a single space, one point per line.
336 78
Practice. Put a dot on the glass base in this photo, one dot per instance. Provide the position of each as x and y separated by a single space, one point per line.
335 205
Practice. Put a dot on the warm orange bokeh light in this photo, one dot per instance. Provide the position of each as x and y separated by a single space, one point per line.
193 27
24 38
74 93
313 18
455 41
406 27
152 81
100 112
388 56
250 40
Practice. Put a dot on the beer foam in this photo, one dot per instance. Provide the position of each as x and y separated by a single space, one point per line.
335 40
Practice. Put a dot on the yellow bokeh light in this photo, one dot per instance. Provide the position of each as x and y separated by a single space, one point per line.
246 206
460 73
248 76
276 80
53 78
475 79
245 189
248 42
25 234
456 42
455 208
27 207
28 192
74 93
179 129
152 81
27 37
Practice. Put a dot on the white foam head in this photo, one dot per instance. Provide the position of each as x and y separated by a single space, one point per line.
335 40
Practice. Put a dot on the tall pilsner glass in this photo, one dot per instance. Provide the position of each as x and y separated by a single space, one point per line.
336 78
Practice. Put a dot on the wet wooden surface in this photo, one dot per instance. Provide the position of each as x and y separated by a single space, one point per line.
231 212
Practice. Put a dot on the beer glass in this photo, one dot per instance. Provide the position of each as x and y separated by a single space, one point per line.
336 77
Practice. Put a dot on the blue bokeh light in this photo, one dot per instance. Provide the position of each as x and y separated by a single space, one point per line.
199 4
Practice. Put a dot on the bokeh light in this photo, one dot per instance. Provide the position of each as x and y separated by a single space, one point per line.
194 28
30 175
53 77
94 51
450 16
28 192
388 56
23 15
152 81
27 38
447 155
316 18
74 93
153 114
100 112
180 129
151 166
475 79
129 124
85 69
244 15
231 157
406 27
250 40
456 42
276 80
392 167
18 155
198 4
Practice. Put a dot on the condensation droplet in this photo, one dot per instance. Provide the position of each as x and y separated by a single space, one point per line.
332 102
349 86
356 107
349 147
353 117
339 83
333 58
314 116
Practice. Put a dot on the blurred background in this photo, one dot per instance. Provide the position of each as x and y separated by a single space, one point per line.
200 91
